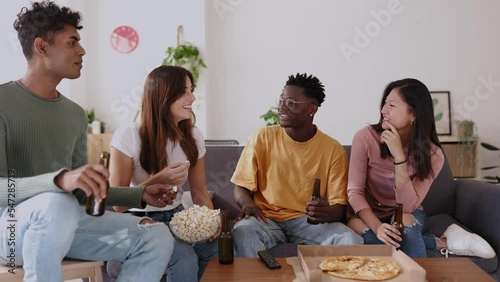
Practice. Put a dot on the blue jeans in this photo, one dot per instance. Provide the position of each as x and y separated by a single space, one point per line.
414 242
51 226
189 261
252 235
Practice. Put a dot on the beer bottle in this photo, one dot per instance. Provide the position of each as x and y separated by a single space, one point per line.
316 196
226 255
94 207
398 221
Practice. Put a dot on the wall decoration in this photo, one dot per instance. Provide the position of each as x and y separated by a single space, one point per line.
442 113
124 39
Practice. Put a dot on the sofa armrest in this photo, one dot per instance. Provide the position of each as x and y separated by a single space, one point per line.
478 208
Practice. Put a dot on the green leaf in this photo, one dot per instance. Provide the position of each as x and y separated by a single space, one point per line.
489 167
271 117
435 102
439 117
497 178
187 56
91 115
489 147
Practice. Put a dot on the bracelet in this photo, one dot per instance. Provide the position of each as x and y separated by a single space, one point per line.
401 162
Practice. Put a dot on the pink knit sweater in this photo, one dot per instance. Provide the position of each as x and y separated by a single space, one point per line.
372 179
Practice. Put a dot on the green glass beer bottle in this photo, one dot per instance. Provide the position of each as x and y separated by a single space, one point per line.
316 195
94 207
398 221
226 255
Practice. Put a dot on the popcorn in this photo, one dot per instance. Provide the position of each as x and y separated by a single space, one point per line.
196 224
175 188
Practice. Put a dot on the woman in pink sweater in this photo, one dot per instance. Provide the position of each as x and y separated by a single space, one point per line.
396 161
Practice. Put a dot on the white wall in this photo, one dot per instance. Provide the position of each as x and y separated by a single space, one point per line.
115 81
254 45
112 82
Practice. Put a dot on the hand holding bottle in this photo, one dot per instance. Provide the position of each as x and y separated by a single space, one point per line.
89 178
313 202
96 206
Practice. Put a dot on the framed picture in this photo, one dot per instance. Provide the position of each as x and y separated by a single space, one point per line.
442 113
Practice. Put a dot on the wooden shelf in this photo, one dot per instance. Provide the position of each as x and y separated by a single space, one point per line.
463 156
96 143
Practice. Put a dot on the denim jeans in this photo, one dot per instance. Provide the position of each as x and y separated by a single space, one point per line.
252 235
51 226
189 261
414 242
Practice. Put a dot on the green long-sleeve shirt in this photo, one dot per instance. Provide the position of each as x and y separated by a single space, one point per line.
38 139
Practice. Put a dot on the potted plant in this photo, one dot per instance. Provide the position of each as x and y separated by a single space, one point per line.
271 117
465 129
185 54
92 118
467 146
490 178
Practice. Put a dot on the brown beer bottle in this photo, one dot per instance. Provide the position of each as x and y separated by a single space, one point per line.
94 207
316 196
398 221
226 255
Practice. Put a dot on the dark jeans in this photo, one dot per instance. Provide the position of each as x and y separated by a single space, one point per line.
414 242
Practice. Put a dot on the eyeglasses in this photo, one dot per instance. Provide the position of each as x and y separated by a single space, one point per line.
290 103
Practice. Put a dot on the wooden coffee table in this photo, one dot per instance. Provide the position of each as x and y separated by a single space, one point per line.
252 269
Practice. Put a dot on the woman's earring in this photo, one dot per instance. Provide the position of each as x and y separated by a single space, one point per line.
413 121
311 115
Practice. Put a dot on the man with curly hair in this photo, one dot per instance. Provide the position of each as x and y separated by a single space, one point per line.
275 174
44 172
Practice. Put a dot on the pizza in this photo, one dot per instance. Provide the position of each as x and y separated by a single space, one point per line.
360 268
342 263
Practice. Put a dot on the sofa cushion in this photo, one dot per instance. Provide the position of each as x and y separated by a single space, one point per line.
441 196
220 162
437 224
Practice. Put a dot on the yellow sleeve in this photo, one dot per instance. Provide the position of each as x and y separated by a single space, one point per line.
245 173
337 178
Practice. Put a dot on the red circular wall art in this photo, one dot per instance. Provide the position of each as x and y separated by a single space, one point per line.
124 39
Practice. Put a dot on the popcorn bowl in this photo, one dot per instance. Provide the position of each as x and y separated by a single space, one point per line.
196 224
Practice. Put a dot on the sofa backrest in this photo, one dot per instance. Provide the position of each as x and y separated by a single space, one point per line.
221 160
441 196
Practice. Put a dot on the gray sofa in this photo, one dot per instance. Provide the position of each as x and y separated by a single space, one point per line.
469 203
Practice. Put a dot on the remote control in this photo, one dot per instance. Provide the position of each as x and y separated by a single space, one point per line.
269 260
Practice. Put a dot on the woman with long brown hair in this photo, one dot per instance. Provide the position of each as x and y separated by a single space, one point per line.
166 148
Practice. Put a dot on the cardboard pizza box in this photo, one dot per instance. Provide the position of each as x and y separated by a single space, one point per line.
310 257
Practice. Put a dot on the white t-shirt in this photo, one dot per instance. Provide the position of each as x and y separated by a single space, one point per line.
126 139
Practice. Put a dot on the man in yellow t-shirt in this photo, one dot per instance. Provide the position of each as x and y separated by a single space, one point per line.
275 175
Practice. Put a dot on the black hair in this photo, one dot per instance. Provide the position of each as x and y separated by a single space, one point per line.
43 20
416 95
313 88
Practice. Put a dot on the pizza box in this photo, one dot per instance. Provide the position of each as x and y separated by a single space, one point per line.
310 256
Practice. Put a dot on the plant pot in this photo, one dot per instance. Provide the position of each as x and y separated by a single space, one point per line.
465 130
